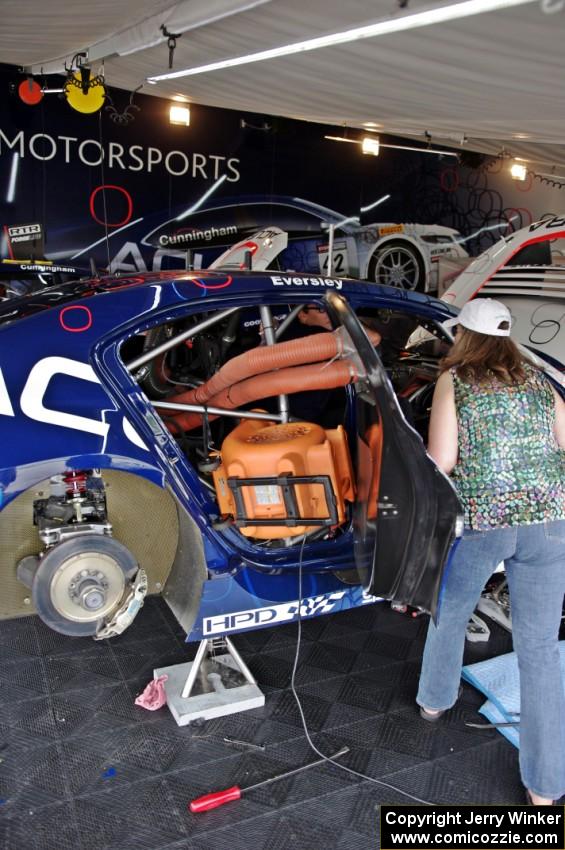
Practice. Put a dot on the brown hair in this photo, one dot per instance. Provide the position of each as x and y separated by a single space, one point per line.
479 357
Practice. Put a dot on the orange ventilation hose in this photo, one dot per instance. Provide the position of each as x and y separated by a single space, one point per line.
295 352
318 376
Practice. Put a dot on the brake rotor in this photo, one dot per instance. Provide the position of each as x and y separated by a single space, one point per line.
87 586
81 581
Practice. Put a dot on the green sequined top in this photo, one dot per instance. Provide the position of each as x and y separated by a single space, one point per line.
510 469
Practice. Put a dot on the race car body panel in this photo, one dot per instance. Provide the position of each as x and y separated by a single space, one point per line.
526 271
79 430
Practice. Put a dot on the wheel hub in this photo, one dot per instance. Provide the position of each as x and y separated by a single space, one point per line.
396 266
89 589
396 276
87 586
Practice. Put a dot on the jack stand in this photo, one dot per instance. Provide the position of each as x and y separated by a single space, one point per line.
212 685
496 605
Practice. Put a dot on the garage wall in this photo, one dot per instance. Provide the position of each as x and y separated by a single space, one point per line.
478 197
55 161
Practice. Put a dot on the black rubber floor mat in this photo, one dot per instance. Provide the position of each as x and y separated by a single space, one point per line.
83 768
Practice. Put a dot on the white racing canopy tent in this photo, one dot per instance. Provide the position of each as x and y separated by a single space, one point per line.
483 82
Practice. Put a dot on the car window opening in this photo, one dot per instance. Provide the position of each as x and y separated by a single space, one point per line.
280 474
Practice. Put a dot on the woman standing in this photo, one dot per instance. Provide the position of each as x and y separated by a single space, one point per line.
498 428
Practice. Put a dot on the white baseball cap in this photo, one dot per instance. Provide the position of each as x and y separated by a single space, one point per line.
484 316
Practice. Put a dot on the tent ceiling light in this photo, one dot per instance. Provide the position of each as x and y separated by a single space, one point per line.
179 115
370 145
394 23
393 147
518 171
343 139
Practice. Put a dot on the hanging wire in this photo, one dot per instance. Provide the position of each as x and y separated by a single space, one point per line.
43 181
126 116
102 173
313 746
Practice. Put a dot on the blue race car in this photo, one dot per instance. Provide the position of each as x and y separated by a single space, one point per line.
20 277
161 434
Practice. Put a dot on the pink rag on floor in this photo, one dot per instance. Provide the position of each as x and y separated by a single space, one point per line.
153 697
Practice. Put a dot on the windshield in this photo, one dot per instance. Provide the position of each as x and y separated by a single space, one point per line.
17 285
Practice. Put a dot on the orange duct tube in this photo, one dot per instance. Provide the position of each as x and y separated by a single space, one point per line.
318 376
295 352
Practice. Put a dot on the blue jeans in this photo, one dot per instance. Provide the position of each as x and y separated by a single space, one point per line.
534 557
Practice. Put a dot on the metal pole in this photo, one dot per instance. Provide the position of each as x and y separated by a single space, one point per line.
191 678
165 346
331 232
289 319
270 339
215 411
239 661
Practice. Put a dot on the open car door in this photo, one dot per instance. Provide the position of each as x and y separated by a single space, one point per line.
407 514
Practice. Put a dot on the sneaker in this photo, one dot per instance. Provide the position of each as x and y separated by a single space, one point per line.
432 717
530 802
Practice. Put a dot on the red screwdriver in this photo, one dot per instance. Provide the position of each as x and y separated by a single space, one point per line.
218 798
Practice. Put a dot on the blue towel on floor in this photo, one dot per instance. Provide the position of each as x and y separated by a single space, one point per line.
499 681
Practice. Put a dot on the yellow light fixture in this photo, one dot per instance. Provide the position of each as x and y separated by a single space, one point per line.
84 93
370 145
518 171
179 115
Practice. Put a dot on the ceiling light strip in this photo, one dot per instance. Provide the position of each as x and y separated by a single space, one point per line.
394 147
438 15
421 150
343 139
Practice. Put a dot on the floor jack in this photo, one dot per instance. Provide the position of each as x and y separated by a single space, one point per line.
216 683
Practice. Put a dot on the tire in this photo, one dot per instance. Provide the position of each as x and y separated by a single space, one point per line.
398 263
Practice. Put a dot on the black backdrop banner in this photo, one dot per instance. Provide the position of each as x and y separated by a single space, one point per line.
117 185
103 189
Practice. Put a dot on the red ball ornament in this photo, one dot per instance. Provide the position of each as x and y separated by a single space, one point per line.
30 92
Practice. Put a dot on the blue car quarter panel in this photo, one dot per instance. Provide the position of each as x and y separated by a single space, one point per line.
53 406
54 402
68 402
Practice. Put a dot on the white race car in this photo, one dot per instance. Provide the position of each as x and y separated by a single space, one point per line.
401 255
526 271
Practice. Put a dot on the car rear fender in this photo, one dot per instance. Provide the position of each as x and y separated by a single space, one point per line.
169 547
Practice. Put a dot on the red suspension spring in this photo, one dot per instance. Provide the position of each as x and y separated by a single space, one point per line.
76 482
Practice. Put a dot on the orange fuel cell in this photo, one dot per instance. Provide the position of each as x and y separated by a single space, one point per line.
281 453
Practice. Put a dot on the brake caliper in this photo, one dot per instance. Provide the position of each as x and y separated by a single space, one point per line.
128 610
